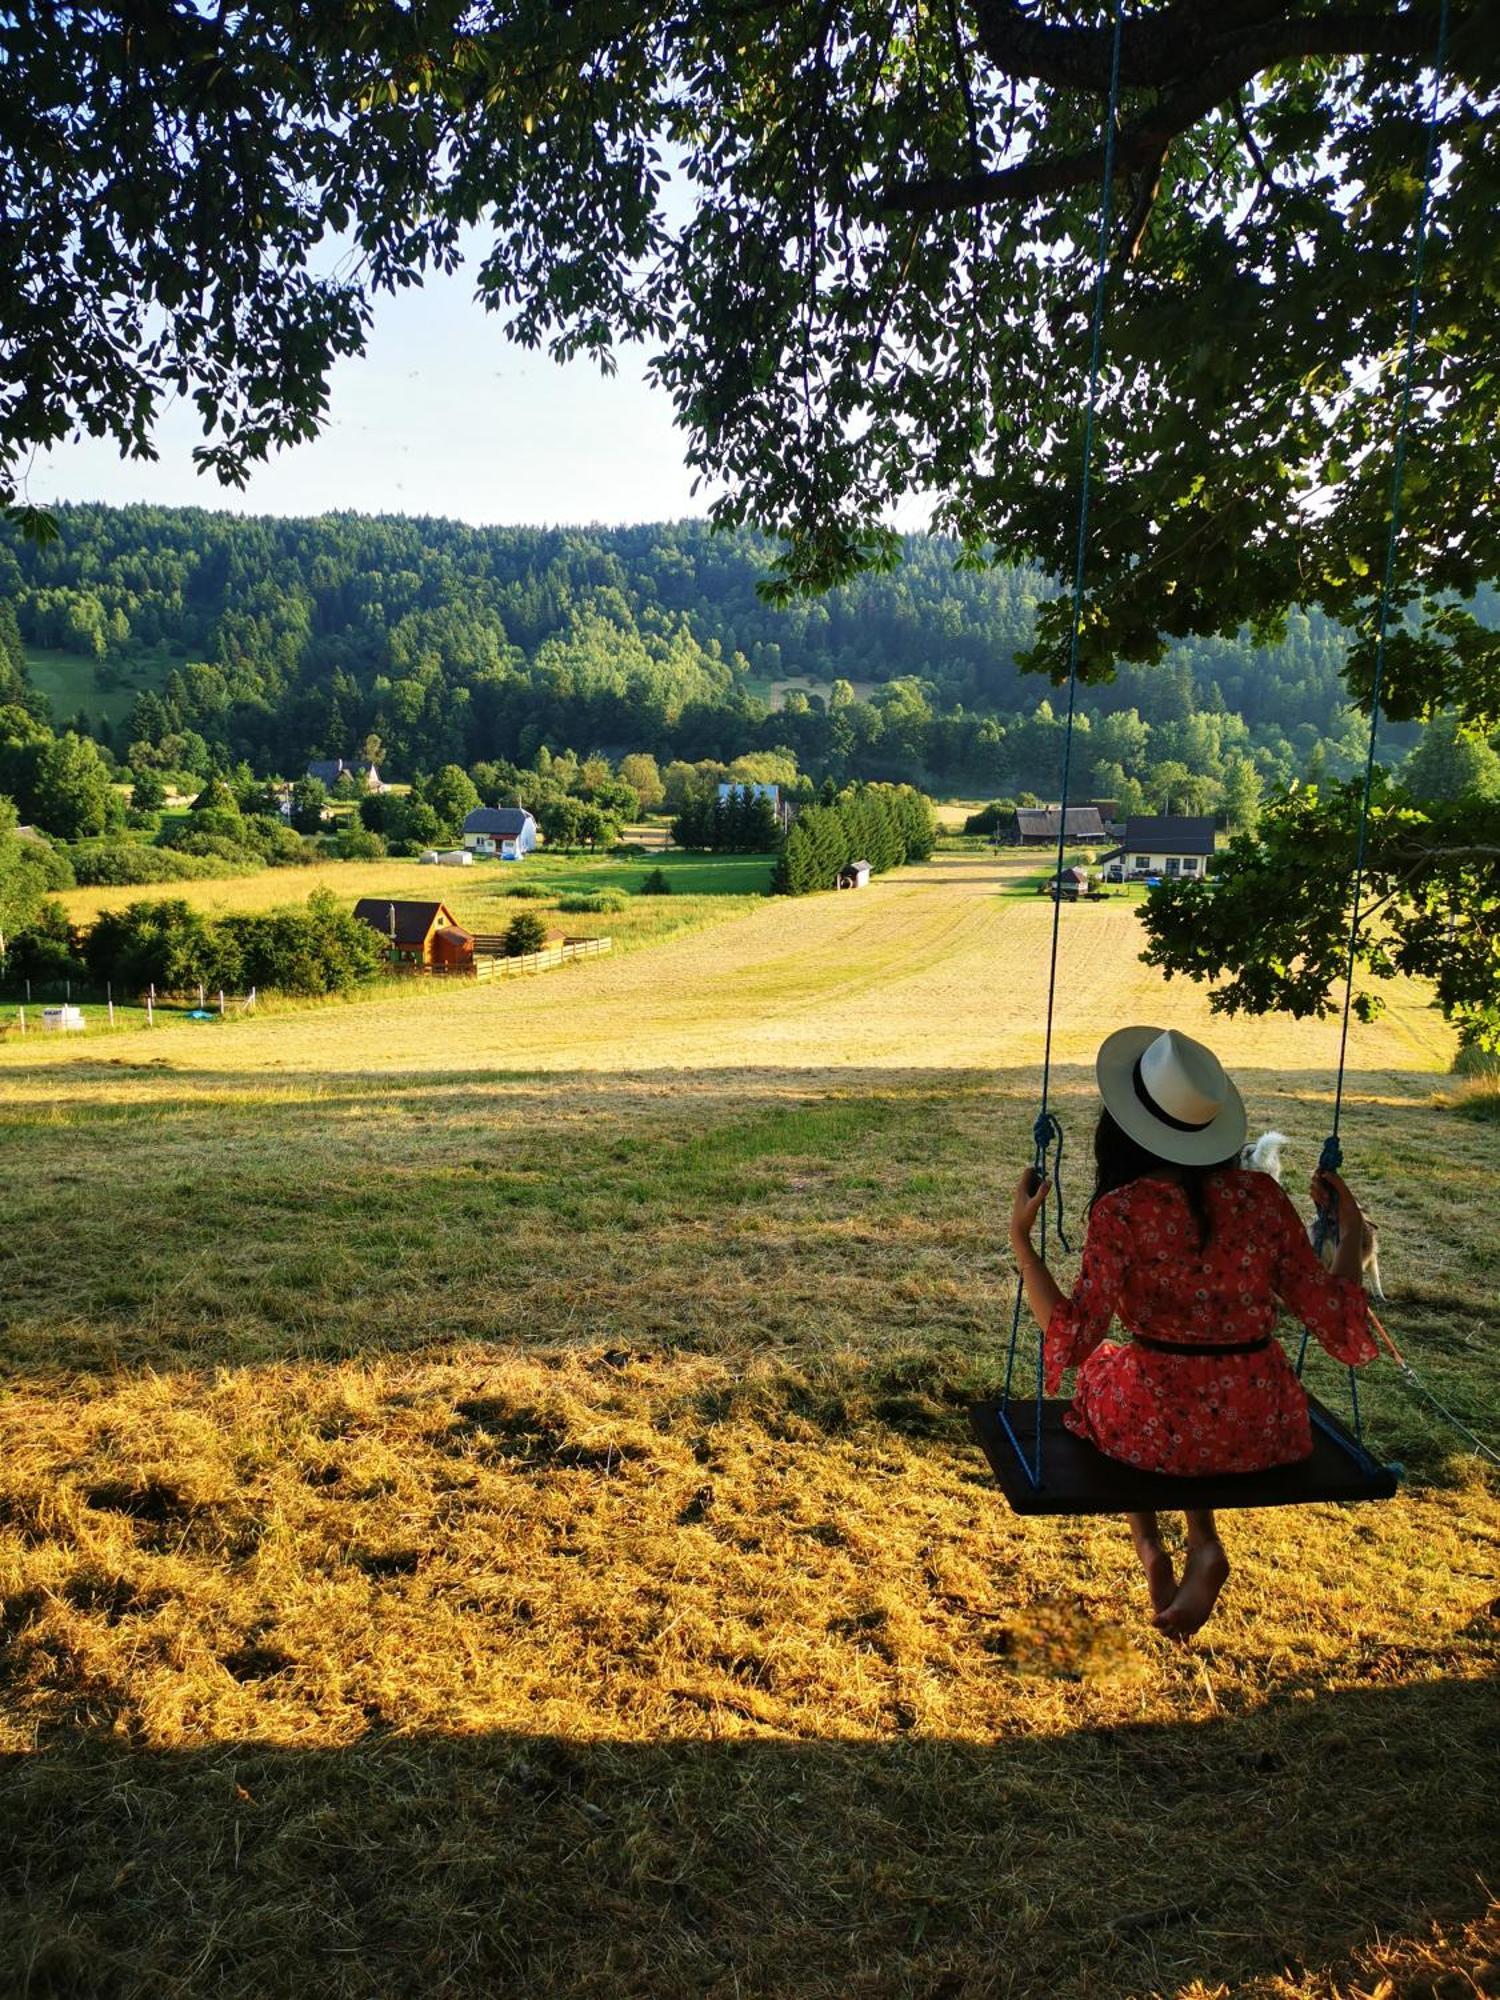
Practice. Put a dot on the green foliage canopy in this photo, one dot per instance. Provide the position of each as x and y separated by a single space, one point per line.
859 235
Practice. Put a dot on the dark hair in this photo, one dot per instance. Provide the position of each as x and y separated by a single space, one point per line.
1119 1160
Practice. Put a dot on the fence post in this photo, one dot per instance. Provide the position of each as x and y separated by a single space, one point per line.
21 1011
150 1015
111 1005
221 1003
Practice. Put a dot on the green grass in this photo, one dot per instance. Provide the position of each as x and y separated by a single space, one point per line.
70 682
690 874
471 1526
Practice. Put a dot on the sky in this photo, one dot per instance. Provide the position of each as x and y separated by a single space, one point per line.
442 416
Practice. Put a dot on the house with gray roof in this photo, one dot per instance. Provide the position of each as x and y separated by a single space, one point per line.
328 771
1037 826
1162 844
506 831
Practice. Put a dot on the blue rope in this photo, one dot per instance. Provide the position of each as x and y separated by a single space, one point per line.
1333 1156
1096 344
1331 1159
1047 1132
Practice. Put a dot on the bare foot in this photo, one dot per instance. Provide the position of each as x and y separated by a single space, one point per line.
1160 1582
1204 1575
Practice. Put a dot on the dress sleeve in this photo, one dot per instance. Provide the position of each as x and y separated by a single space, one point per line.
1335 1311
1079 1323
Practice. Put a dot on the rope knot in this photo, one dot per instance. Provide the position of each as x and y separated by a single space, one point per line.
1047 1139
1326 1226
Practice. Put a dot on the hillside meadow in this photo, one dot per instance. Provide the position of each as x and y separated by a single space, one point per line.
486 1506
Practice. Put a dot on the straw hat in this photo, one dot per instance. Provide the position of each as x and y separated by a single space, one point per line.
1170 1094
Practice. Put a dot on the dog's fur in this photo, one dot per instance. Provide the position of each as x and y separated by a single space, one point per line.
1264 1157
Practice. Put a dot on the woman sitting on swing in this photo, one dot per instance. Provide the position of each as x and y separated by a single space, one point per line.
1192 1252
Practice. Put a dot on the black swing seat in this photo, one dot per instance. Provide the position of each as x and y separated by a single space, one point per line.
1077 1478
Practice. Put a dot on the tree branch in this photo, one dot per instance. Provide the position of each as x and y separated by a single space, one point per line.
1158 49
1208 65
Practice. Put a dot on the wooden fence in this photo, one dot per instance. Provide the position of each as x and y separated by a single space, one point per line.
488 965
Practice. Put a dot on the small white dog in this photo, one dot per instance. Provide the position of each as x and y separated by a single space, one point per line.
1264 1157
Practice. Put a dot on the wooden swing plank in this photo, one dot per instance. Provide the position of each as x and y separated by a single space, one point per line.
1077 1478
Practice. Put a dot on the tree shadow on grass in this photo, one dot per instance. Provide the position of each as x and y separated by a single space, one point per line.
1105 1862
189 1220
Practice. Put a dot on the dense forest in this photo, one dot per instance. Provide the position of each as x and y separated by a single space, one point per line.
424 643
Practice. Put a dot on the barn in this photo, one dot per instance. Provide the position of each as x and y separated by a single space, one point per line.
1040 826
419 935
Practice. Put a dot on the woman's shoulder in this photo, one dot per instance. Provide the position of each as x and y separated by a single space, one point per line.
1254 1193
1144 1196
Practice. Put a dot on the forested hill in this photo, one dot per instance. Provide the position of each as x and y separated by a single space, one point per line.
274 640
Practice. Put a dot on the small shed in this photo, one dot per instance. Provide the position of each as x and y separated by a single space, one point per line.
63 1020
1071 883
418 934
853 875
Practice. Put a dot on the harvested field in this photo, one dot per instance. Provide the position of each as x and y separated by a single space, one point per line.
485 1506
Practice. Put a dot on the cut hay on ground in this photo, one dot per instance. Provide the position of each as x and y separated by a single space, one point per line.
485 1508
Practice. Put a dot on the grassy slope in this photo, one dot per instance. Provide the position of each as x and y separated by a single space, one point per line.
705 890
485 1507
69 682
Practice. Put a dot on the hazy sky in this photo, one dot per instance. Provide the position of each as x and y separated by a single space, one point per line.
442 416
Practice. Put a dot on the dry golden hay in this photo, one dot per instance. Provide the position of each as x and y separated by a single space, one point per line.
485 1507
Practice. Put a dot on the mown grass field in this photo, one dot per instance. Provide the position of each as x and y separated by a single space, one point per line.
70 681
706 890
485 1506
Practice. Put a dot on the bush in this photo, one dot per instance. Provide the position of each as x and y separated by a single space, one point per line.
322 949
656 884
594 902
990 818
128 864
168 944
629 850
163 943
43 951
525 933
530 892
277 845
357 843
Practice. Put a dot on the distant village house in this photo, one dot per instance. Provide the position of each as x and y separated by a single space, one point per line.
418 935
1040 826
329 770
1162 844
508 831
784 810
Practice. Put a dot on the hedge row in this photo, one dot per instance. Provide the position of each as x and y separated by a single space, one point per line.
882 824
168 944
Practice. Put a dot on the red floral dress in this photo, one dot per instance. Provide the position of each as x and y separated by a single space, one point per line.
1194 1413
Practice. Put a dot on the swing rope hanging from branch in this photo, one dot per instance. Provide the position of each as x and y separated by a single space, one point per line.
1080 1479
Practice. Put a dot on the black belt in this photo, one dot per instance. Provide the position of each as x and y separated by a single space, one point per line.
1196 1347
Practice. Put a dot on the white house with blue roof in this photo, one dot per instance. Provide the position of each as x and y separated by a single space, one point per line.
506 831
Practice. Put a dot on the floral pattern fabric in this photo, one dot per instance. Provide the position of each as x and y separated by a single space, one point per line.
1142 1264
